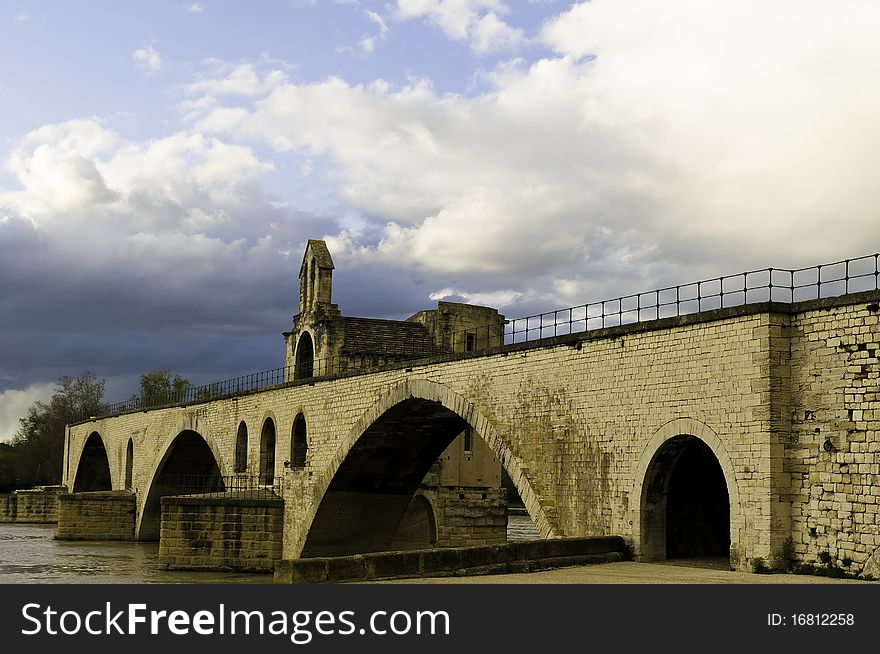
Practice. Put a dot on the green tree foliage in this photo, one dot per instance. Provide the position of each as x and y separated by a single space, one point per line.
38 447
160 387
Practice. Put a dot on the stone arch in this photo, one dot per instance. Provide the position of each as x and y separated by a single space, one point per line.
149 506
129 463
299 442
305 501
654 470
304 359
93 472
240 463
418 527
268 448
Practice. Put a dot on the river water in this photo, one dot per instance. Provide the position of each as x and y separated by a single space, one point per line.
29 554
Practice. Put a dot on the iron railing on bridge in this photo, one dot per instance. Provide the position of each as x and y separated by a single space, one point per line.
751 287
241 486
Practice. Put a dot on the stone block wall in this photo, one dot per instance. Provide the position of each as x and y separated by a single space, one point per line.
38 505
468 516
99 515
221 533
833 453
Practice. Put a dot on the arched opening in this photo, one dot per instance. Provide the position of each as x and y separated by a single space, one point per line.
305 357
241 448
299 443
93 471
417 528
685 503
188 468
374 486
267 453
129 463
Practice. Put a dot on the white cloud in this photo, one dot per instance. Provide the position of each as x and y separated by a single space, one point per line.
20 18
195 8
490 34
148 59
380 22
226 78
697 135
475 21
14 404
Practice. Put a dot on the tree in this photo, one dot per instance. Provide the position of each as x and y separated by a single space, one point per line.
39 443
161 387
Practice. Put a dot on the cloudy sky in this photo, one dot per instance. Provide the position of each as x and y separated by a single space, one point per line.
163 163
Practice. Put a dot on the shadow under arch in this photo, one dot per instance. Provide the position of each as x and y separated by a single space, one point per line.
93 468
418 526
687 496
359 499
188 466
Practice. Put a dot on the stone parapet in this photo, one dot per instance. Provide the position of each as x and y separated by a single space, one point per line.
459 561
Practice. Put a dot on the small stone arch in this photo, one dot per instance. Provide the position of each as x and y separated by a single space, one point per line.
299 442
240 463
648 528
129 463
93 472
268 447
418 527
304 358
304 507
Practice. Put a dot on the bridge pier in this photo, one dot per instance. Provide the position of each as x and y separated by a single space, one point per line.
96 515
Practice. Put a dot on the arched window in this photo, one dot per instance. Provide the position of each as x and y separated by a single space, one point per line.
241 448
305 357
129 463
299 443
267 452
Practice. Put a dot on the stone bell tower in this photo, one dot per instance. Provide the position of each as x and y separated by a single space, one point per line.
315 278
308 346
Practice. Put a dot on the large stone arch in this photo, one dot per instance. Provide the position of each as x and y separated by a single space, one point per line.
303 497
93 470
189 423
674 429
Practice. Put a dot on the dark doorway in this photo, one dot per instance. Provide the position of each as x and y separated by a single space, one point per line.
685 507
697 505
305 357
93 472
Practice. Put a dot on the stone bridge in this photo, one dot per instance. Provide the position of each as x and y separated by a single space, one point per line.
751 432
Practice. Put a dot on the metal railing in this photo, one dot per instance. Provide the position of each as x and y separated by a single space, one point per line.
242 486
751 287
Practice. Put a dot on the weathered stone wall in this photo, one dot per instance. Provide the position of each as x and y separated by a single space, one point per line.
221 533
833 456
39 505
98 515
577 421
